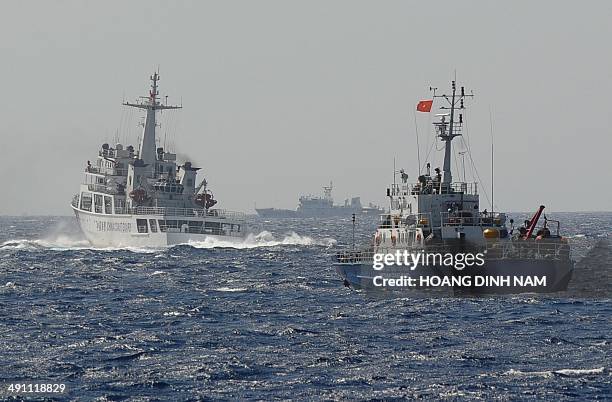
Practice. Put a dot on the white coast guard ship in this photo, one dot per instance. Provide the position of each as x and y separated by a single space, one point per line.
437 215
141 198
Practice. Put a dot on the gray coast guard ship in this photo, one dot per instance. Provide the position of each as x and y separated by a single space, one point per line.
321 207
437 215
142 198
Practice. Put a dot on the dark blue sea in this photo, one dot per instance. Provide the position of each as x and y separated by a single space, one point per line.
269 319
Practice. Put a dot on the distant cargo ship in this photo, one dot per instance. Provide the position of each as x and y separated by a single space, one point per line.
321 207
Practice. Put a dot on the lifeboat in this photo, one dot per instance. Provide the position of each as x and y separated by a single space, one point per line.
138 195
205 200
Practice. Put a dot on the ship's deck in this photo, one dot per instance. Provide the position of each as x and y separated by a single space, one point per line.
530 249
177 212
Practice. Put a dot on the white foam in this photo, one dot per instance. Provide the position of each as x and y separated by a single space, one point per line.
262 239
225 289
172 314
64 243
567 372
598 370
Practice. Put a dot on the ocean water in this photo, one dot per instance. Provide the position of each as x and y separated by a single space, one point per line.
269 318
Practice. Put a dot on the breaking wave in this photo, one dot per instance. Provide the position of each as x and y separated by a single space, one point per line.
231 290
262 239
561 372
58 242
63 242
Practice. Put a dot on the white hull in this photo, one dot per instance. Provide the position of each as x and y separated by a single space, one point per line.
103 230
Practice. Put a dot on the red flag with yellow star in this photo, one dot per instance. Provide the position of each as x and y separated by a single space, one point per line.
424 105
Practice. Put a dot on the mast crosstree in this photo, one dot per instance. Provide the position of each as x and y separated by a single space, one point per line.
151 104
449 130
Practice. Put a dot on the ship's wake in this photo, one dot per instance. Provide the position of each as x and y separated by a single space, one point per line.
72 242
64 243
263 239
593 273
63 234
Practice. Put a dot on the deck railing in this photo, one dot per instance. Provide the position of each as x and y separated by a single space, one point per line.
462 218
531 249
441 188
187 212
101 188
107 171
169 211
355 257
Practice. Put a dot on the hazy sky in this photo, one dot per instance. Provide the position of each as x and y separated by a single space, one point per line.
280 97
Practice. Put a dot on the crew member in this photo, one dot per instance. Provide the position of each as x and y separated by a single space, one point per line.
438 175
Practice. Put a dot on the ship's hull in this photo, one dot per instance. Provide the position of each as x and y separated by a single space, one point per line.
103 230
496 276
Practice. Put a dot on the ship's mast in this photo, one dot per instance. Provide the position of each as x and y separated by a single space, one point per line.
151 104
448 131
327 191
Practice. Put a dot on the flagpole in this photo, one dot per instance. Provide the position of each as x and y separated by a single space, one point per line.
416 130
492 161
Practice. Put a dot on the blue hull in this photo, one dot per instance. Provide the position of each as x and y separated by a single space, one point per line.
503 276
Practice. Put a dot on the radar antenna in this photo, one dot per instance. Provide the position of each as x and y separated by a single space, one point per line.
451 129
147 150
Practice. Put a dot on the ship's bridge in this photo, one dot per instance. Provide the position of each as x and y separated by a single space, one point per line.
442 188
437 204
431 187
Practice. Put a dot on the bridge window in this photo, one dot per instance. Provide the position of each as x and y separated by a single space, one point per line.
98 203
195 226
86 201
212 227
119 205
153 225
108 204
141 224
